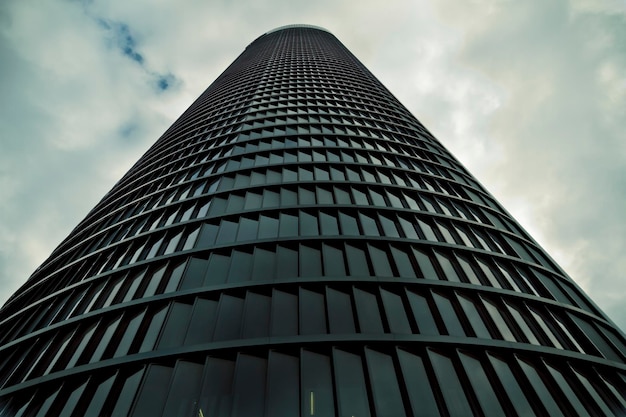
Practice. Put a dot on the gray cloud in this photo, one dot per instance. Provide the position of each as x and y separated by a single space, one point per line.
529 95
118 35
560 159
122 39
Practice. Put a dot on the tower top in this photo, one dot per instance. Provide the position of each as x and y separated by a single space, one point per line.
296 26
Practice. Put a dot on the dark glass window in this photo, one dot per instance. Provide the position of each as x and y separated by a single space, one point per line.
184 389
153 282
273 177
227 232
154 249
72 401
264 263
308 224
103 343
247 229
202 322
389 226
153 330
127 394
235 203
310 261
380 261
342 196
216 391
334 264
501 324
287 263
151 398
284 316
516 313
253 201
229 318
368 176
324 196
317 386
288 225
408 228
78 350
129 335
312 313
328 224
469 271
46 405
249 386
256 178
193 276
395 312
449 316
452 389
542 391
384 383
425 264
446 233
377 199
489 274
572 397
368 312
483 387
256 315
111 295
348 225
598 400
403 263
596 338
512 387
541 321
271 198
289 175
268 227
369 225
413 204
428 231
99 397
176 326
394 200
340 317
174 278
304 156
305 174
217 269
423 314
474 317
359 197
447 267
88 302
418 386
306 196
240 266
283 398
357 262
350 384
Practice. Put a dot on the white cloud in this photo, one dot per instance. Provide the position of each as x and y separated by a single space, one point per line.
561 157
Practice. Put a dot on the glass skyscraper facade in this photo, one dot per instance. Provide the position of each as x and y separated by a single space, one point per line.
298 244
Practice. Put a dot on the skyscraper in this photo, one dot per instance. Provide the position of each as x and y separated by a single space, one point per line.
298 244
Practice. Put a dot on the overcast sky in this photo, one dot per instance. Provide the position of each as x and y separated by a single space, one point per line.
529 95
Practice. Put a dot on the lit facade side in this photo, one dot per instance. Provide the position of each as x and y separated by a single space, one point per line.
297 243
